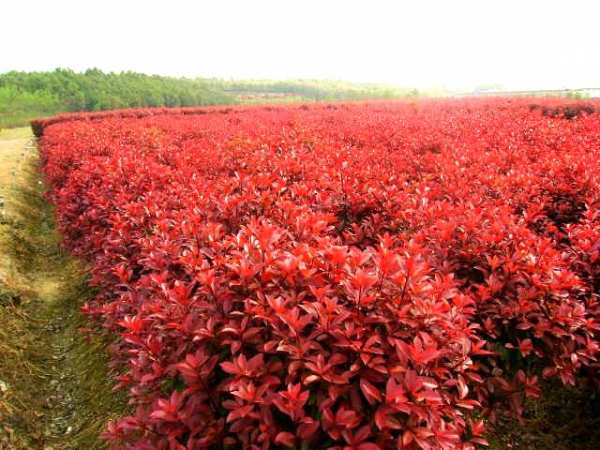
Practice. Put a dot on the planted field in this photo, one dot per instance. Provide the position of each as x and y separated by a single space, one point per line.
361 276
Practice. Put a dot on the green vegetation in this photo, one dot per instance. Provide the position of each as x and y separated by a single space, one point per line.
578 95
17 106
308 90
28 95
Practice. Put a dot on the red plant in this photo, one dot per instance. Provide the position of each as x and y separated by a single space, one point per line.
363 276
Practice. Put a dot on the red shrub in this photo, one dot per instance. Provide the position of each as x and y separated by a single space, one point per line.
360 277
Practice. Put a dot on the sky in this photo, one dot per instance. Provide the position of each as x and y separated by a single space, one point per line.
459 45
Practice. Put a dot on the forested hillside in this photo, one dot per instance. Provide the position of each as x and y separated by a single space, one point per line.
28 95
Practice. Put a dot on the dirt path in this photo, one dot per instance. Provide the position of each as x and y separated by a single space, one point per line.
54 388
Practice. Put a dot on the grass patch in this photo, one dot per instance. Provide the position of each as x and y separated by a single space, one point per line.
563 419
55 388
13 119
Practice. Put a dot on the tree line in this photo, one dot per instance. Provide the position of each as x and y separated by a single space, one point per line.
28 95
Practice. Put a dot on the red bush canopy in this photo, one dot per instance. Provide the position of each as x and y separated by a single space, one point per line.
349 276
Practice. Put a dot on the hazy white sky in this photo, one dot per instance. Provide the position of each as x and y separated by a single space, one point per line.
454 43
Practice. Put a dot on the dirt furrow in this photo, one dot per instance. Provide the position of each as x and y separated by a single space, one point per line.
55 390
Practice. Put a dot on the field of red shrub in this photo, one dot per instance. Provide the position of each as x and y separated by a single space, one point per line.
350 276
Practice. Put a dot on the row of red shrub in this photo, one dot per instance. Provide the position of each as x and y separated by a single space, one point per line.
357 276
550 107
38 126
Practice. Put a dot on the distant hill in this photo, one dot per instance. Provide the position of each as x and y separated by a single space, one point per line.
251 91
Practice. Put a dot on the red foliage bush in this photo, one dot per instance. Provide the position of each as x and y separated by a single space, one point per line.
360 276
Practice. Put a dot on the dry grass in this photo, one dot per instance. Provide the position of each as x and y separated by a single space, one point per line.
15 133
